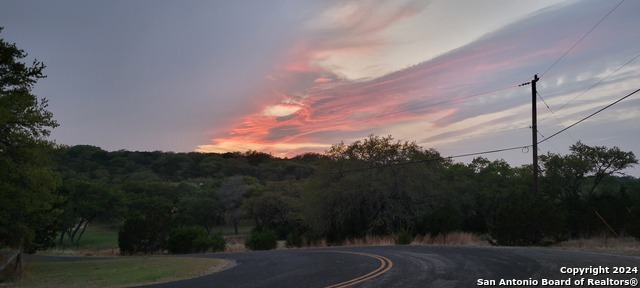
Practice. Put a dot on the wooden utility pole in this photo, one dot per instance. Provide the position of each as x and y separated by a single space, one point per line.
534 133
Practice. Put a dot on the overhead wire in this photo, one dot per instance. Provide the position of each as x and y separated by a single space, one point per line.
554 115
497 90
582 38
590 115
594 85
522 147
551 144
427 160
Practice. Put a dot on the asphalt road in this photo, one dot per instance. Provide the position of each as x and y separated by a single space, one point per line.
415 266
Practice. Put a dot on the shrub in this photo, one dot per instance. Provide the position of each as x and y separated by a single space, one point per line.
194 239
181 240
262 240
293 240
215 241
442 221
139 235
525 219
403 238
633 223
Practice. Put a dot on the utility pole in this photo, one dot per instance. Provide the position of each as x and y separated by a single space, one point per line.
534 133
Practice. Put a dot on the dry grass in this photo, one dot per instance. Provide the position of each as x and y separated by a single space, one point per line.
81 252
235 243
603 244
453 238
371 241
317 244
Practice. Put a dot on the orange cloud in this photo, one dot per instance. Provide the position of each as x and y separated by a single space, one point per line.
312 106
322 80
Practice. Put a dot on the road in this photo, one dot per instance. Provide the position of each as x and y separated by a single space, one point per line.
410 266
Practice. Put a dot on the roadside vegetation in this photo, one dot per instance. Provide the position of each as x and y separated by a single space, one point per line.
375 188
351 193
119 272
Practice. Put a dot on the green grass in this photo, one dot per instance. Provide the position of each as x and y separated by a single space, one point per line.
245 227
96 237
117 272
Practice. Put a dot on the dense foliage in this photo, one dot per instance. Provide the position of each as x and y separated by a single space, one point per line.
194 239
376 186
262 240
28 205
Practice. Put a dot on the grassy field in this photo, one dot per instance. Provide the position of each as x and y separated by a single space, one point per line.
100 240
118 272
96 237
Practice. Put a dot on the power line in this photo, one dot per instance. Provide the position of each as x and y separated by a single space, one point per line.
554 147
585 118
554 115
483 152
580 40
594 85
428 160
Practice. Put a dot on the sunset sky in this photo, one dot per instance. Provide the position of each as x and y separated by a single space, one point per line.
287 77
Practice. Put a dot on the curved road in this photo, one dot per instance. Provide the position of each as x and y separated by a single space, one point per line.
412 266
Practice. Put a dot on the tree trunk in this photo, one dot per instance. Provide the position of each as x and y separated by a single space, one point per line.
62 237
75 230
86 223
235 226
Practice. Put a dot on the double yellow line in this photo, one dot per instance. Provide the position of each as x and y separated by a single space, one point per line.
385 265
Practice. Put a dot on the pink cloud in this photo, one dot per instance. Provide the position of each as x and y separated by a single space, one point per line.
330 108
322 80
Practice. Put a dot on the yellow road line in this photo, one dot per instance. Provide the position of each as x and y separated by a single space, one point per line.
385 265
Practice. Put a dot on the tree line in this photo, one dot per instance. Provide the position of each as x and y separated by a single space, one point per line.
375 186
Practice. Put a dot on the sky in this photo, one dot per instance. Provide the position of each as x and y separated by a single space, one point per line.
287 77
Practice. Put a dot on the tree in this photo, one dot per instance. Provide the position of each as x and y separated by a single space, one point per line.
147 227
28 202
584 162
193 239
276 205
576 181
88 202
201 210
232 194
149 218
524 219
365 188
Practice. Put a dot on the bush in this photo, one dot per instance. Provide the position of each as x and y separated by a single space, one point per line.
262 240
633 223
194 239
293 240
525 219
442 220
139 235
403 238
181 240
215 241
